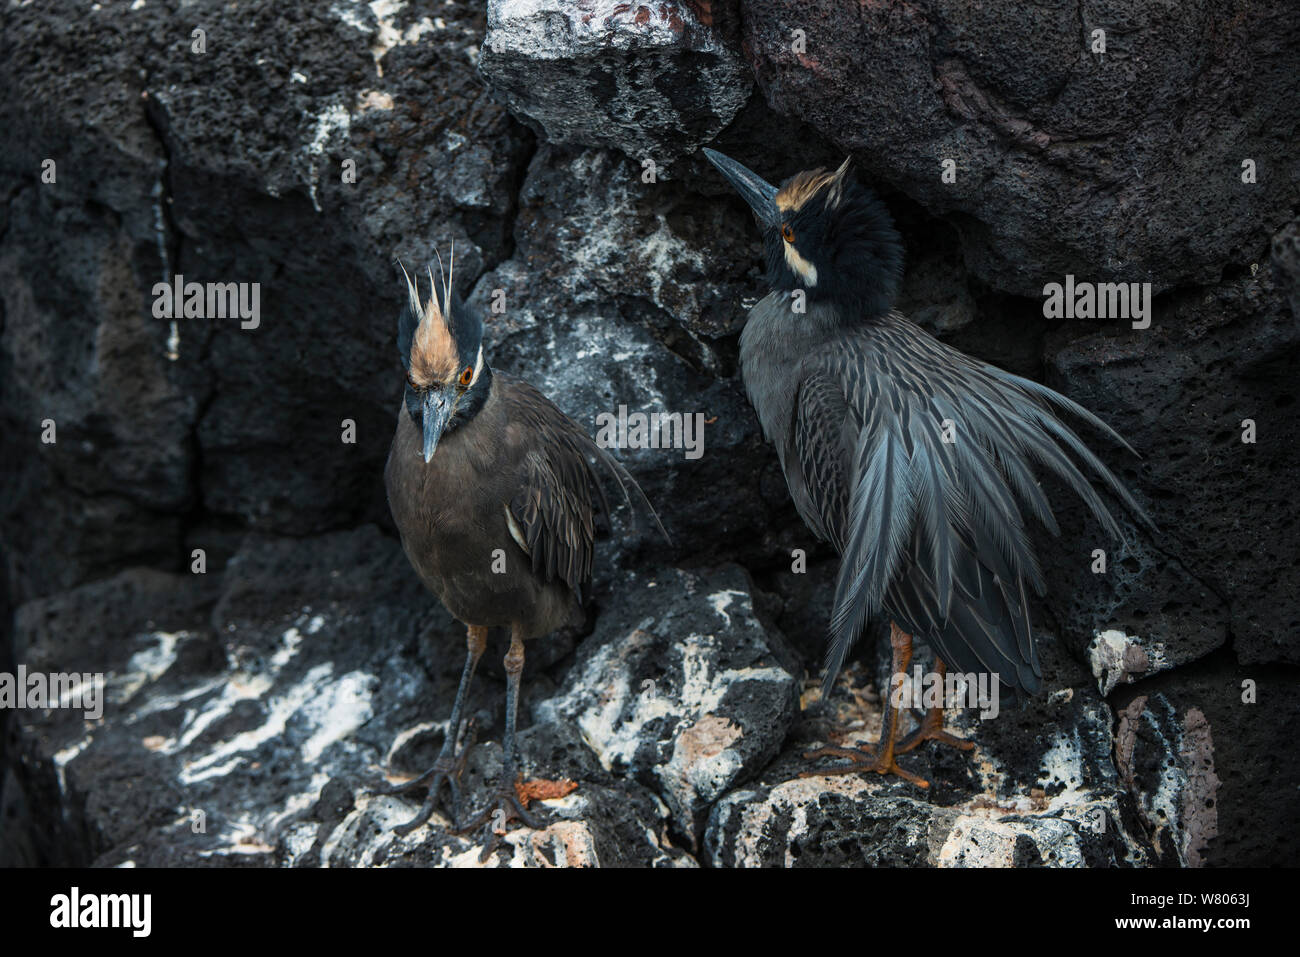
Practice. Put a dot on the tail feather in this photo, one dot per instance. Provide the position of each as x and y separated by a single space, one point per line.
881 510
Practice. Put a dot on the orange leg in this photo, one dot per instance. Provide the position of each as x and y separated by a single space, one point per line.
931 728
882 759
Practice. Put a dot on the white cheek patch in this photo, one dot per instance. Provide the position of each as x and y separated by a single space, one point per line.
806 270
478 364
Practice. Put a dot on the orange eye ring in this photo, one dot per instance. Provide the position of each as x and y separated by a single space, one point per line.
787 233
467 377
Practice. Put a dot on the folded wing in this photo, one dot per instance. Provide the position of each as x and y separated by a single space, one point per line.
918 462
561 482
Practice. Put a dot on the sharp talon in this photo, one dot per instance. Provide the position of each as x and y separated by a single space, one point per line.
942 737
426 812
894 769
837 752
447 769
489 846
530 820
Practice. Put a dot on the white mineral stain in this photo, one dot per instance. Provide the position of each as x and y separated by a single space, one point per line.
148 665
614 735
721 601
289 643
1063 764
335 120
333 709
384 35
65 755
343 706
402 737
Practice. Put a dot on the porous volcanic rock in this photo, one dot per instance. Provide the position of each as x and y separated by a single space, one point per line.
1126 164
655 80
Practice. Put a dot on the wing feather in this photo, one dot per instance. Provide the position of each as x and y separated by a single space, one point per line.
561 482
930 530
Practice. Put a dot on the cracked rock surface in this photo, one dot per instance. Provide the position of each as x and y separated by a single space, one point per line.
309 146
655 80
1126 162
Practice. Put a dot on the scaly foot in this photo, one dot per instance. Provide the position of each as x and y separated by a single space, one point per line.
931 726
861 759
447 769
932 731
504 807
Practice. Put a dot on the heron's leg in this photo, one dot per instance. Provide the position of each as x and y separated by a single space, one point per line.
451 758
931 727
506 804
882 760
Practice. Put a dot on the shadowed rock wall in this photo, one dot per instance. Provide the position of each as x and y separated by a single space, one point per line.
309 146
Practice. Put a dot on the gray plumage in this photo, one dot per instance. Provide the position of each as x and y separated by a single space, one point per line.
913 460
930 532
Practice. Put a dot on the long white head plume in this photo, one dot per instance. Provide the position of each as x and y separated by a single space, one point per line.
448 276
451 270
412 294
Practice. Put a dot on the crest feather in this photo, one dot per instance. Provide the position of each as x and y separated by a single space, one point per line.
802 187
836 192
412 293
434 356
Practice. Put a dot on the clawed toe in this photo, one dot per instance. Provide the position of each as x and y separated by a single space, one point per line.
927 733
447 770
431 801
387 790
504 807
860 759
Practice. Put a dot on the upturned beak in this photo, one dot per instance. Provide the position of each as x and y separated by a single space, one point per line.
435 411
758 192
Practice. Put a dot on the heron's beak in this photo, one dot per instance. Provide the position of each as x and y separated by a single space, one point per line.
435 411
758 192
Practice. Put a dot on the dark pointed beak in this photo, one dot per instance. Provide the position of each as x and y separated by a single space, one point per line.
435 411
758 192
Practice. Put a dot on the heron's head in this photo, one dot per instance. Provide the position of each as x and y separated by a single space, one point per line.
823 233
441 345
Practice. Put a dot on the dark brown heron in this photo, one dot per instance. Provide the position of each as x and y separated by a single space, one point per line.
494 493
912 459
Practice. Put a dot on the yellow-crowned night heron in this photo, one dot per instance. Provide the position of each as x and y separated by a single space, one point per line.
493 490
909 457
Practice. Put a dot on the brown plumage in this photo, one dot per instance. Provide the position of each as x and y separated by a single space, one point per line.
494 492
519 460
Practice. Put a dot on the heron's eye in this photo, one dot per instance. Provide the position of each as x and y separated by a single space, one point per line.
412 383
467 377
787 233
